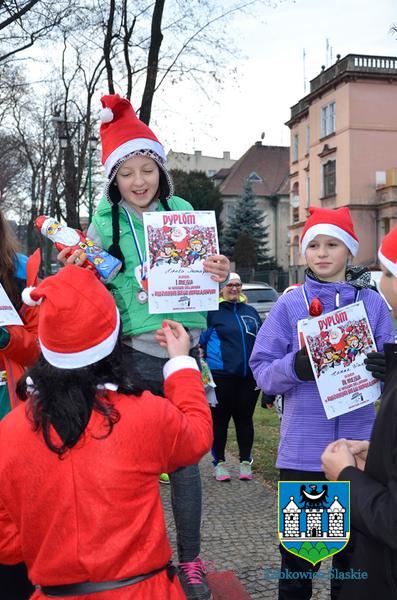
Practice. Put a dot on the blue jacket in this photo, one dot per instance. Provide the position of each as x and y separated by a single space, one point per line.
305 429
230 338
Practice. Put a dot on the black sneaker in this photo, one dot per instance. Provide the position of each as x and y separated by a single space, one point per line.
192 577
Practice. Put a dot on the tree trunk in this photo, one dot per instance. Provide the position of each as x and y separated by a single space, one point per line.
107 46
153 62
71 189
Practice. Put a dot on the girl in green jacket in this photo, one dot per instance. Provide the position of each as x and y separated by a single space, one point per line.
138 181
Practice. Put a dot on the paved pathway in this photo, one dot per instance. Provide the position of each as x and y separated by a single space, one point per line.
239 530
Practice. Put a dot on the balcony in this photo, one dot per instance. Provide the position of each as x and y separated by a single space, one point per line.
383 66
352 65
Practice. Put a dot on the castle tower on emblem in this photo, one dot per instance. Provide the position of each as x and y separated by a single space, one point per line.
335 519
314 518
291 519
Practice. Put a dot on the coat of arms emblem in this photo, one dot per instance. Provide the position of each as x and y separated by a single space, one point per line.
314 518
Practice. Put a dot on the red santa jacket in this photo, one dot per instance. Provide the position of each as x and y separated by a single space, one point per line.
96 515
23 349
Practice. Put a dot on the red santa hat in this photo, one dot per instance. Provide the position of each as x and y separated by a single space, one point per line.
122 133
78 319
387 252
333 222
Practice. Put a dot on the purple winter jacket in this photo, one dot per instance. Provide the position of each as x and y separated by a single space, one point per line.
305 429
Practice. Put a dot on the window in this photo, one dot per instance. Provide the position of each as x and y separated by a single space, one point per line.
295 215
261 295
307 191
328 120
295 147
254 177
230 211
329 178
386 225
295 195
307 139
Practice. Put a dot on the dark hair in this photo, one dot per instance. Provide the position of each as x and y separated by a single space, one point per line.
115 198
8 261
65 398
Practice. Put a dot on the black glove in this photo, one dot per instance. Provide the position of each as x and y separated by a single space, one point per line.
376 364
267 399
302 366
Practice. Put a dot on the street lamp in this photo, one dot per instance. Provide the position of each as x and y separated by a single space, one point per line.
92 144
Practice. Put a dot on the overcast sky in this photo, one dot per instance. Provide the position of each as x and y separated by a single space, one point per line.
270 72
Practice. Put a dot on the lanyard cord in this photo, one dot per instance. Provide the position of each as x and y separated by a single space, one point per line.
136 242
337 297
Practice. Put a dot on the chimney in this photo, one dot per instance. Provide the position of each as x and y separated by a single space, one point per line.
258 143
226 155
197 153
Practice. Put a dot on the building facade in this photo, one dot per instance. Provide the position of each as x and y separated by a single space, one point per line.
197 162
343 150
267 168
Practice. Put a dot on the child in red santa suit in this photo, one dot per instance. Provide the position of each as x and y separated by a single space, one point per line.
77 503
138 180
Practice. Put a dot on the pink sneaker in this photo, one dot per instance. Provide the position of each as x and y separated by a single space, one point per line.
245 470
192 578
221 473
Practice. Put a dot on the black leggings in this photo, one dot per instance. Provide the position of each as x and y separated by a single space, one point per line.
236 399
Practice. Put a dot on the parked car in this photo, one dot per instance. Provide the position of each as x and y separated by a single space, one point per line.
261 296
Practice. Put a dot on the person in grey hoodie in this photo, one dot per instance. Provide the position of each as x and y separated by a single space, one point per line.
279 366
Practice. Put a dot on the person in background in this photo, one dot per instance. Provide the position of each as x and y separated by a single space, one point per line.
138 181
18 349
76 500
328 243
227 345
371 468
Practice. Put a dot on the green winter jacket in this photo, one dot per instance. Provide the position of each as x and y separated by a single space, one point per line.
135 316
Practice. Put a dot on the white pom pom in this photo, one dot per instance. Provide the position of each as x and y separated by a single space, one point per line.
26 298
106 115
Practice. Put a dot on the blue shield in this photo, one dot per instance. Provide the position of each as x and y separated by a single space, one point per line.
314 517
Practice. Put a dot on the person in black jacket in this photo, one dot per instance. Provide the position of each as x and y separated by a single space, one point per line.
227 345
371 468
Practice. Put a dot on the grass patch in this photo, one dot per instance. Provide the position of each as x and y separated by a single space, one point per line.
264 451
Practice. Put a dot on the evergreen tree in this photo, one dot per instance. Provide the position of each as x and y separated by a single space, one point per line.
199 190
245 236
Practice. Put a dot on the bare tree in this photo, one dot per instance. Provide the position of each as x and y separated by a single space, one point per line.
24 22
160 41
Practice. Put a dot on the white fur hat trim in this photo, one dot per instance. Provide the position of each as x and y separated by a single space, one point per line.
26 298
106 115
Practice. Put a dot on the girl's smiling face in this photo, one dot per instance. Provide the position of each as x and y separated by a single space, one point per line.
138 181
327 257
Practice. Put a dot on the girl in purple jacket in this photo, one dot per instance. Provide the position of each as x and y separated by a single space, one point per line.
328 242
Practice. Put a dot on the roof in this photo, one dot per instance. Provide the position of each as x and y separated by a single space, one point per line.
222 173
292 507
336 506
270 163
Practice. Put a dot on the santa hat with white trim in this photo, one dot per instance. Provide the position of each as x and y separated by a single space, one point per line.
335 223
387 252
123 136
122 133
78 319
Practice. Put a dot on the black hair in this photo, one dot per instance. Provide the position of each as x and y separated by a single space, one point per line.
115 199
65 398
